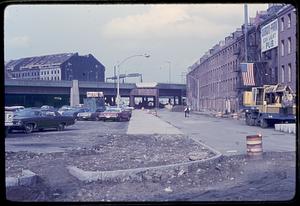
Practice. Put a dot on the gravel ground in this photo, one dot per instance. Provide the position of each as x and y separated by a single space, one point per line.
234 178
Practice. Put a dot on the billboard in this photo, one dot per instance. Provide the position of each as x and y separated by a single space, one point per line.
269 36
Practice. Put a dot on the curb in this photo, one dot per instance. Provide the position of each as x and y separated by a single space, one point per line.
145 173
27 178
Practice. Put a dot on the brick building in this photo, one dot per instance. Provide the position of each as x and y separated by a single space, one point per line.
287 46
216 78
66 66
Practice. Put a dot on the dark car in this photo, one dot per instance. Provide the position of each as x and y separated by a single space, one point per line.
36 119
73 112
116 114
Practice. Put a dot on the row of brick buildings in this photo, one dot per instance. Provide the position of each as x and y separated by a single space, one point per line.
216 78
65 66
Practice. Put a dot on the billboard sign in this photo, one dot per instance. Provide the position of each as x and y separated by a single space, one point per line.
269 36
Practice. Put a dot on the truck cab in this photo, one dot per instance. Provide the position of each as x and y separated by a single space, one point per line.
269 105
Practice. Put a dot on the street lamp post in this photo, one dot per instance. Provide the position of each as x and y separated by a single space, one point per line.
118 79
169 62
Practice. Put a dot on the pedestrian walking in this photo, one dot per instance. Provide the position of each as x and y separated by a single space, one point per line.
185 111
188 111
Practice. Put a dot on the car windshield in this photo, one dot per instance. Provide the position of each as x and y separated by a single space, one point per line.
27 113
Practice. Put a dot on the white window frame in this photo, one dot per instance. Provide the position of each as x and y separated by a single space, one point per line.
289 20
289 72
282 47
289 45
282 24
282 73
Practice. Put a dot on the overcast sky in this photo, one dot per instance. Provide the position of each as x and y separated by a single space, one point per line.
179 33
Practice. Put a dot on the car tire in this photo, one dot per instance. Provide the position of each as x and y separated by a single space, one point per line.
28 128
61 127
264 123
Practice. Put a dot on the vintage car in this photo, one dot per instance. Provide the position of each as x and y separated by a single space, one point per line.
127 108
90 115
73 112
31 120
64 108
116 114
47 107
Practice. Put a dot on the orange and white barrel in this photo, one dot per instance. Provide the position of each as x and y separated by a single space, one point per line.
254 145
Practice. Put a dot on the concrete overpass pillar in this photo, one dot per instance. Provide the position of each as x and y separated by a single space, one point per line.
131 101
74 97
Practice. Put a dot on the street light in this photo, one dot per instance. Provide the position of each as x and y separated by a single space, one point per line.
169 71
118 81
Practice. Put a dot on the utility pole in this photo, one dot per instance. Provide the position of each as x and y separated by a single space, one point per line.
245 29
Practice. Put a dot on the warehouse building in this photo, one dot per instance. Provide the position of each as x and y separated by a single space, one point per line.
66 66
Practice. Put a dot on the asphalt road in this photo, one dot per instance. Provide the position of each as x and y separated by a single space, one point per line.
228 136
81 134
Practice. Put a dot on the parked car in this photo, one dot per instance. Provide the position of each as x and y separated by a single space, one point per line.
31 120
90 115
14 108
129 109
73 112
64 108
47 107
116 114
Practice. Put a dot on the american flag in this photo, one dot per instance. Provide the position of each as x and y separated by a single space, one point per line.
248 74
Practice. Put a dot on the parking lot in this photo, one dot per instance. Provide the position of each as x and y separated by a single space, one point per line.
81 134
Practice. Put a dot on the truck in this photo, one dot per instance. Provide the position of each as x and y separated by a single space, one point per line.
94 101
269 105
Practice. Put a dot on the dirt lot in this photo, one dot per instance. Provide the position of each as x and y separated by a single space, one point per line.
228 178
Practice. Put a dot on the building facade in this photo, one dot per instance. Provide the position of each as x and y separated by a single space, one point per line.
287 46
215 81
66 66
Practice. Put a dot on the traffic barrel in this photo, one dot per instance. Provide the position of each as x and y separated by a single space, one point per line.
254 145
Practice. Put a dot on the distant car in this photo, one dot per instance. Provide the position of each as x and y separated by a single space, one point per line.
129 109
73 112
116 114
14 108
47 107
31 120
64 108
90 115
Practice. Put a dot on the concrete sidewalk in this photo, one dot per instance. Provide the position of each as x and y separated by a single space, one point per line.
142 122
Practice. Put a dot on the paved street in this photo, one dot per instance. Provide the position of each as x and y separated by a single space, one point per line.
225 135
146 123
228 135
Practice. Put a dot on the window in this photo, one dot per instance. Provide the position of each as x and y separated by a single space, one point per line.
289 21
282 73
282 47
289 73
282 24
289 45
